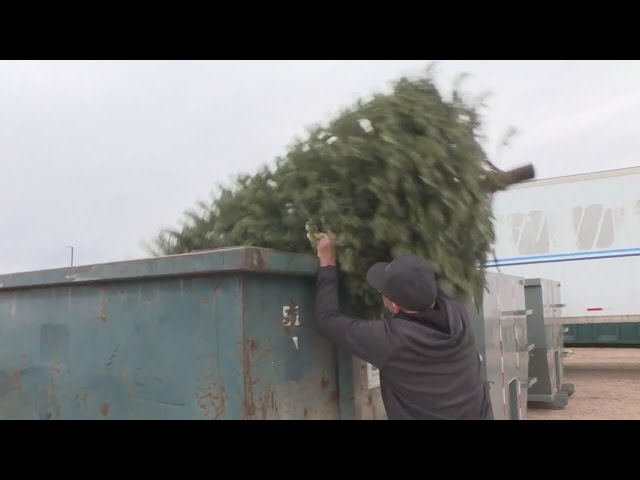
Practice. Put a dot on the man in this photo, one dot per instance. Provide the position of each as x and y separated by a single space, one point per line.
426 353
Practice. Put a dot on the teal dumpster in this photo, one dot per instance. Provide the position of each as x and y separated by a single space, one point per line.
224 334
602 334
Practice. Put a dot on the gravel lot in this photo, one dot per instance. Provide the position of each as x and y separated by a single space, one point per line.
607 382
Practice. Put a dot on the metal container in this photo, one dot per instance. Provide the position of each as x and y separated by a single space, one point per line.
546 330
222 334
517 344
604 334
501 335
225 334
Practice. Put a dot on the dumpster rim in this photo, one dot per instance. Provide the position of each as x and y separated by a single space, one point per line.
240 259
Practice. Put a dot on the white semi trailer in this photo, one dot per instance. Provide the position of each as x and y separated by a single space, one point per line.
581 230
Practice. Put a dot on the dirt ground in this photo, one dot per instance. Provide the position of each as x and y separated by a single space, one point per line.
607 382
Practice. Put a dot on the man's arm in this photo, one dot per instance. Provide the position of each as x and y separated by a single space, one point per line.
368 340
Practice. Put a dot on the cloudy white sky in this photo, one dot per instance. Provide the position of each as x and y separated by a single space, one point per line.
101 155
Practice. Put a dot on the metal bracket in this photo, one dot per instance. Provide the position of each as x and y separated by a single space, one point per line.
516 313
528 349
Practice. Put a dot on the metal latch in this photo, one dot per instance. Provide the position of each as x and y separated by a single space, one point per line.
529 348
558 305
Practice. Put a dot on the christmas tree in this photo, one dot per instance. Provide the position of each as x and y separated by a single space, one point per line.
402 172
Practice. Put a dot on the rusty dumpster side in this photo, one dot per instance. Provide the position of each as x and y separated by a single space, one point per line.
223 334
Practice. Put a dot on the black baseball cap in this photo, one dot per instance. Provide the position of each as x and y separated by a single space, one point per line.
408 281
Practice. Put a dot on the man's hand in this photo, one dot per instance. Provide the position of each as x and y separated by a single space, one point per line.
327 252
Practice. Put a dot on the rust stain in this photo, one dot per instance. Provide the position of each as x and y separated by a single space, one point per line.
259 261
324 383
212 401
223 402
369 400
58 410
84 400
333 396
250 347
203 404
204 301
254 260
306 412
253 345
268 402
104 409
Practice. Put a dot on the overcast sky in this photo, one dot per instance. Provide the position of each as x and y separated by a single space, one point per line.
101 155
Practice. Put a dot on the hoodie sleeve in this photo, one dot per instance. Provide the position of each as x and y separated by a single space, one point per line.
368 340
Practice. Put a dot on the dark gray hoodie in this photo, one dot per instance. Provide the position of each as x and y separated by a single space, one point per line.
429 362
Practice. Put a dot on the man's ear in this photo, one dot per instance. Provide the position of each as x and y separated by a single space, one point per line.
395 306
